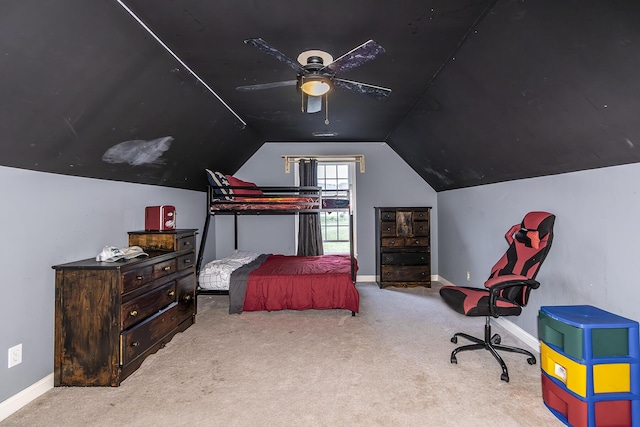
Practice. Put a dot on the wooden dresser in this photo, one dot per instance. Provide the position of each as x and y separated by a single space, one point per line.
403 246
109 316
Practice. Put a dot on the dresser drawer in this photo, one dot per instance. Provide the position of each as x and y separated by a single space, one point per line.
388 228
186 261
186 289
135 341
408 273
405 258
420 228
421 215
388 216
392 242
165 268
186 243
146 305
416 241
135 278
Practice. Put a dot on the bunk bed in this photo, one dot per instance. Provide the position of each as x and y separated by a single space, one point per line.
272 281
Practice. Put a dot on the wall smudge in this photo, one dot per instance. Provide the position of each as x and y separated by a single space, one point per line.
138 152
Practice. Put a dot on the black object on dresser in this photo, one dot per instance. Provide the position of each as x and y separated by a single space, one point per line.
403 246
109 316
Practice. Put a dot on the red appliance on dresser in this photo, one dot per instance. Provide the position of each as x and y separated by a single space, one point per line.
160 218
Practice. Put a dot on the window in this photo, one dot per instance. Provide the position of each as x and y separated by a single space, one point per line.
335 225
334 173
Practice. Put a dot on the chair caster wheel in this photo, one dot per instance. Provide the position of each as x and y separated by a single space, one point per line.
454 340
504 377
454 360
495 339
531 360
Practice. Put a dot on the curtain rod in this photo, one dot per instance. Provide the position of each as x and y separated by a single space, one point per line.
295 158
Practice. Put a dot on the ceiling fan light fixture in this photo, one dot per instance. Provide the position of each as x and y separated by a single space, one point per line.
316 85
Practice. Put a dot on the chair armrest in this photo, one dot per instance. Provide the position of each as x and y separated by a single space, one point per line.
498 284
510 280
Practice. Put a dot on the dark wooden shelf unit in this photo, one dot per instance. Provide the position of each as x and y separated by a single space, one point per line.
403 246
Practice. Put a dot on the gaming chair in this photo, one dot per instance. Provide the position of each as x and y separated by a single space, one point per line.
508 287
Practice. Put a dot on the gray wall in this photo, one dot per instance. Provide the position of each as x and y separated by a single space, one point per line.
593 259
387 181
51 219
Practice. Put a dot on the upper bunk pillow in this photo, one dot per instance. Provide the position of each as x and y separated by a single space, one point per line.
235 182
220 185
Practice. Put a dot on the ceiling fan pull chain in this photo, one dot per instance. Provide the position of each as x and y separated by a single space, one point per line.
326 109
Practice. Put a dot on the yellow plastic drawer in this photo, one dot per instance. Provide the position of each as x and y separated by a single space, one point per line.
606 377
570 373
612 378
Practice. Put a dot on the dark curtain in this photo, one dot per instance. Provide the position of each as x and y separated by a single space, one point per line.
309 233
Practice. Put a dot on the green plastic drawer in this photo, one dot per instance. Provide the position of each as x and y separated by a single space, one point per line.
586 332
562 335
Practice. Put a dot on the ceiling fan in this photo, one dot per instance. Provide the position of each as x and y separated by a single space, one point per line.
316 73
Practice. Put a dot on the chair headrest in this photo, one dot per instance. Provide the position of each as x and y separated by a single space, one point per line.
534 228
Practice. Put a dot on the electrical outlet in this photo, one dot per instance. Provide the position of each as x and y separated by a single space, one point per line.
15 355
468 276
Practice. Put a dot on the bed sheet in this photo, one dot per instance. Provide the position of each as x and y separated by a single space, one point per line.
216 274
300 283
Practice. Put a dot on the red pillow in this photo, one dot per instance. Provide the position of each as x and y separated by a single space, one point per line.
235 182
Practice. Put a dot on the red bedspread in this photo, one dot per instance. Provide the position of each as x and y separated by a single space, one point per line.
301 283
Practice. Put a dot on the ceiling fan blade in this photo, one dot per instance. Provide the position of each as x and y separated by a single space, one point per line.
271 85
262 45
367 89
355 58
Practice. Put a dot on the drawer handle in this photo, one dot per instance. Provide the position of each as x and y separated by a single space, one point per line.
171 293
135 344
167 268
187 243
139 277
133 313
417 241
187 297
388 228
187 261
393 242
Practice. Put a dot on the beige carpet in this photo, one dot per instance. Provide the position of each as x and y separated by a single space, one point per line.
388 366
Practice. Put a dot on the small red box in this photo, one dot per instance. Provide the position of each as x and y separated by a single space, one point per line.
160 218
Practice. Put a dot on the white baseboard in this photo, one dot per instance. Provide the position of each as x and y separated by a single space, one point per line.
361 278
531 341
30 393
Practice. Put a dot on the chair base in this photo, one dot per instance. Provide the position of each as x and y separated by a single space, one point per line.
492 344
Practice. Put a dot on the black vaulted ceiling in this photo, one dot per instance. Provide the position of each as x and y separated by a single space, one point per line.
483 91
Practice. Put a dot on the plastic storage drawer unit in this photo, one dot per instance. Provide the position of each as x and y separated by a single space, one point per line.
590 362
